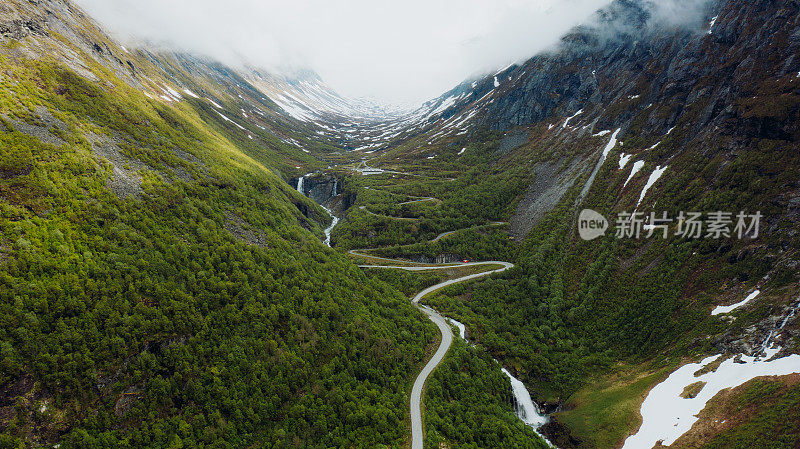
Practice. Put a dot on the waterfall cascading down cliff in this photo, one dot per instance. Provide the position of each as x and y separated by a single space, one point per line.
301 182
526 409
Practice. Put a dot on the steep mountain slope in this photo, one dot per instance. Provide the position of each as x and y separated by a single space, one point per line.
630 113
161 285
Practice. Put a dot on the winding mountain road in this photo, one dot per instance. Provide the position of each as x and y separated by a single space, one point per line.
422 199
449 233
359 253
417 429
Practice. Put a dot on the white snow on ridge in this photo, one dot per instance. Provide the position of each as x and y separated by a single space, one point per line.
609 146
231 121
173 93
711 24
214 103
611 143
291 106
654 177
446 103
169 94
496 83
190 93
462 151
727 309
666 416
602 133
503 69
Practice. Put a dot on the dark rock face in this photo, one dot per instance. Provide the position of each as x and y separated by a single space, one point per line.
629 61
19 29
559 435
549 187
726 88
348 200
776 328
321 189
441 258
512 141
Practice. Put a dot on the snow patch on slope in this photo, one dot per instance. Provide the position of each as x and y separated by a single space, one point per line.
611 143
566 122
637 167
666 416
727 309
624 159
654 177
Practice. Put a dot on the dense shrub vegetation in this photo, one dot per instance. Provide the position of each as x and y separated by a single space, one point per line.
469 404
141 320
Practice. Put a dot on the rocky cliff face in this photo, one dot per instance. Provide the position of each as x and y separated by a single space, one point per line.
293 116
628 61
714 106
57 29
321 189
647 63
716 85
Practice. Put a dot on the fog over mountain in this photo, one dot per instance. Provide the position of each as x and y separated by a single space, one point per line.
394 51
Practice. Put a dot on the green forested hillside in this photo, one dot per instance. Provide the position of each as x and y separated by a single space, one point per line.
157 288
470 405
594 325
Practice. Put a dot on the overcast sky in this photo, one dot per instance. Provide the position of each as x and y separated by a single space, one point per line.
401 51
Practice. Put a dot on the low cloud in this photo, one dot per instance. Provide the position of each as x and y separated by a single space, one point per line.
681 13
394 51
